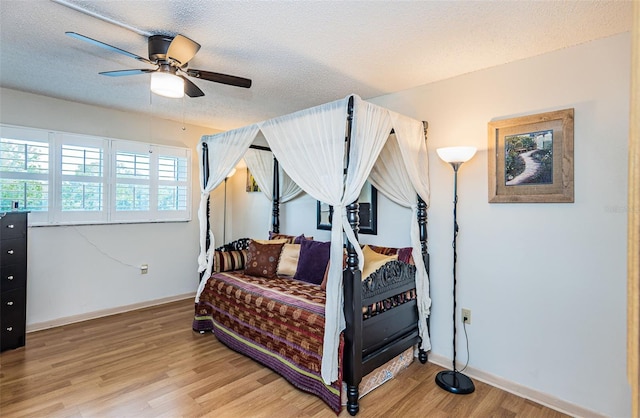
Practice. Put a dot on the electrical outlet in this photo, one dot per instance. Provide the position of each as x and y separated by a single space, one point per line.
144 269
466 316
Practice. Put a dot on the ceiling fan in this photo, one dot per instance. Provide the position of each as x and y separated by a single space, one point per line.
171 56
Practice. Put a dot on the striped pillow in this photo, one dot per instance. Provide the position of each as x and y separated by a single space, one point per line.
290 239
229 260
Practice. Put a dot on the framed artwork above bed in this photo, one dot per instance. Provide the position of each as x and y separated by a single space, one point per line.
252 185
368 212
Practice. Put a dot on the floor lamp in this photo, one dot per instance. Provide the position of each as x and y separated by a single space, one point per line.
452 380
224 222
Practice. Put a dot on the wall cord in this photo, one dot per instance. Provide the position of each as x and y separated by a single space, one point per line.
466 337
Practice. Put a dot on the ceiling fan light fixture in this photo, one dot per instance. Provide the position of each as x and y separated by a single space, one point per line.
171 56
167 85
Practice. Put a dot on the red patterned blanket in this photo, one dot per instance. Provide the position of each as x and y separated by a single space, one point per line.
278 322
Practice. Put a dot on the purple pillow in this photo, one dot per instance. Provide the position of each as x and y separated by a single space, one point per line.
299 239
314 257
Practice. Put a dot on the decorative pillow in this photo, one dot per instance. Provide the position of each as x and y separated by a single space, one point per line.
404 254
323 285
373 261
314 257
272 241
291 239
228 260
262 259
288 260
300 238
239 244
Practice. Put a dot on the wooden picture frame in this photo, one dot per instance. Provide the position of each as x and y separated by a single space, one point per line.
368 212
252 185
531 158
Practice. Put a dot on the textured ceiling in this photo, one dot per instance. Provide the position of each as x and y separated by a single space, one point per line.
298 54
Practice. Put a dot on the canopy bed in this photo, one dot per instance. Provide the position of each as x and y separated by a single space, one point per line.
361 321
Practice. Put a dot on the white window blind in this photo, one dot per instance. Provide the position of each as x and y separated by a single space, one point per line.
24 171
173 181
133 179
80 179
77 179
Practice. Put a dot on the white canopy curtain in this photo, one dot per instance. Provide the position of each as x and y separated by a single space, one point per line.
261 164
225 151
391 178
411 140
310 147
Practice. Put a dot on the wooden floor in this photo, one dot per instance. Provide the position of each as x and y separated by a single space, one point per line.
149 363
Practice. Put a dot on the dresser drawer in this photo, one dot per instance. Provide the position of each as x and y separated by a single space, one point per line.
13 225
13 251
12 330
12 319
12 277
13 301
13 316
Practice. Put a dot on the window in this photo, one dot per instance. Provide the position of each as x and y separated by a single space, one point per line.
80 179
71 179
173 188
24 170
151 181
133 178
82 169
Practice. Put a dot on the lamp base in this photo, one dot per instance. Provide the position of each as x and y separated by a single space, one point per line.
455 382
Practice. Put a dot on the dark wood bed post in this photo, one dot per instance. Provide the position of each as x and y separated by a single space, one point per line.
352 283
422 224
422 216
353 318
205 177
275 212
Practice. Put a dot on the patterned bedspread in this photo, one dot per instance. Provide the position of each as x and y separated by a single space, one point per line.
278 322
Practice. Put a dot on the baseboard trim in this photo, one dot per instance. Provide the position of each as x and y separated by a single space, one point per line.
520 390
67 320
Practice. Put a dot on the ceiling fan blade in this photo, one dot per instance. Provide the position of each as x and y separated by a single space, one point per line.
182 49
220 78
121 73
107 46
191 89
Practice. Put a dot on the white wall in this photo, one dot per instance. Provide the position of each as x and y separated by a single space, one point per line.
546 283
252 217
74 271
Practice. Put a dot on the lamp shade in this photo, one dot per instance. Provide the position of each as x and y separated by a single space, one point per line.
231 173
167 85
456 154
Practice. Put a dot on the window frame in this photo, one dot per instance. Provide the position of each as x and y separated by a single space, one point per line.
32 135
54 215
60 216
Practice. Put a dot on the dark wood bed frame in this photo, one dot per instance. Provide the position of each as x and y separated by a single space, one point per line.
368 343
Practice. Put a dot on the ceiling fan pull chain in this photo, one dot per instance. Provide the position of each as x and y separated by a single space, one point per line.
183 110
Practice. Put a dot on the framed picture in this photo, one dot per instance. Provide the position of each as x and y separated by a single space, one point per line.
531 158
368 211
252 186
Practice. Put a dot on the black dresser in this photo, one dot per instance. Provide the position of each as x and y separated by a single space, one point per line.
13 279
